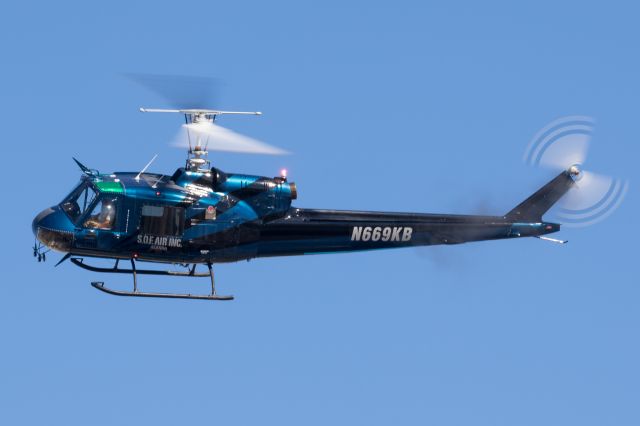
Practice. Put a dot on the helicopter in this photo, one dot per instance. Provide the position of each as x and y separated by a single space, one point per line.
201 215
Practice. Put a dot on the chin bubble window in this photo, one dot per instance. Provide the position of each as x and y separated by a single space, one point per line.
103 215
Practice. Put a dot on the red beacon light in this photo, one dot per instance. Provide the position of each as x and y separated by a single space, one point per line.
282 177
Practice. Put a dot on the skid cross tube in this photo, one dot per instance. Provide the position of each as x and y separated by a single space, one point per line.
191 273
213 281
135 276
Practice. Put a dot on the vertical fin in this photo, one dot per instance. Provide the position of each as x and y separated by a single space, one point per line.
532 209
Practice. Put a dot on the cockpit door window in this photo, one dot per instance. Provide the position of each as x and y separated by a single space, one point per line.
103 215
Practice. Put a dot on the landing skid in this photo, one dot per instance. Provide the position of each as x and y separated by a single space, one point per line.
100 286
135 293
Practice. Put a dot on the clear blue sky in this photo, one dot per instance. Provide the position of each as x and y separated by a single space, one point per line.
401 106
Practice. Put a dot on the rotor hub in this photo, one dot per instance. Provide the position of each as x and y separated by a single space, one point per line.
575 171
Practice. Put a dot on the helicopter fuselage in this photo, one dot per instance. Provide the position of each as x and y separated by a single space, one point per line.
213 217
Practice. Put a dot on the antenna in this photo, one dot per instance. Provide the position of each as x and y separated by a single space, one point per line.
155 185
137 178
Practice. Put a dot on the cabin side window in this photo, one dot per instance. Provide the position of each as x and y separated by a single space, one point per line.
162 220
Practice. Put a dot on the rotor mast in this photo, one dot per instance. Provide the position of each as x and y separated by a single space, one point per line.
195 118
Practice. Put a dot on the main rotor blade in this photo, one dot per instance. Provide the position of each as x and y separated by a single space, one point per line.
218 138
179 91
564 151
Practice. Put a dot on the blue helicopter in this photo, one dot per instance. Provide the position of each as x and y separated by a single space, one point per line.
201 215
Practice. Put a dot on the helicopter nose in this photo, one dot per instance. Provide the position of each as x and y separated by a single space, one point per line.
53 228
39 218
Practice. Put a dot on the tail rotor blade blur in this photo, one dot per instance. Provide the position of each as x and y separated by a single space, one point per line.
563 145
589 189
572 150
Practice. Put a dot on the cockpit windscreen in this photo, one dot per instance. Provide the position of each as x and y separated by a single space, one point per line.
79 201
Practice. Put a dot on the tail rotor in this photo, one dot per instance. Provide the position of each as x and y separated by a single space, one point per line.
563 145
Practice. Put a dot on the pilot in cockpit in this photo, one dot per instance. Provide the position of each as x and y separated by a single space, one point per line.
103 217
